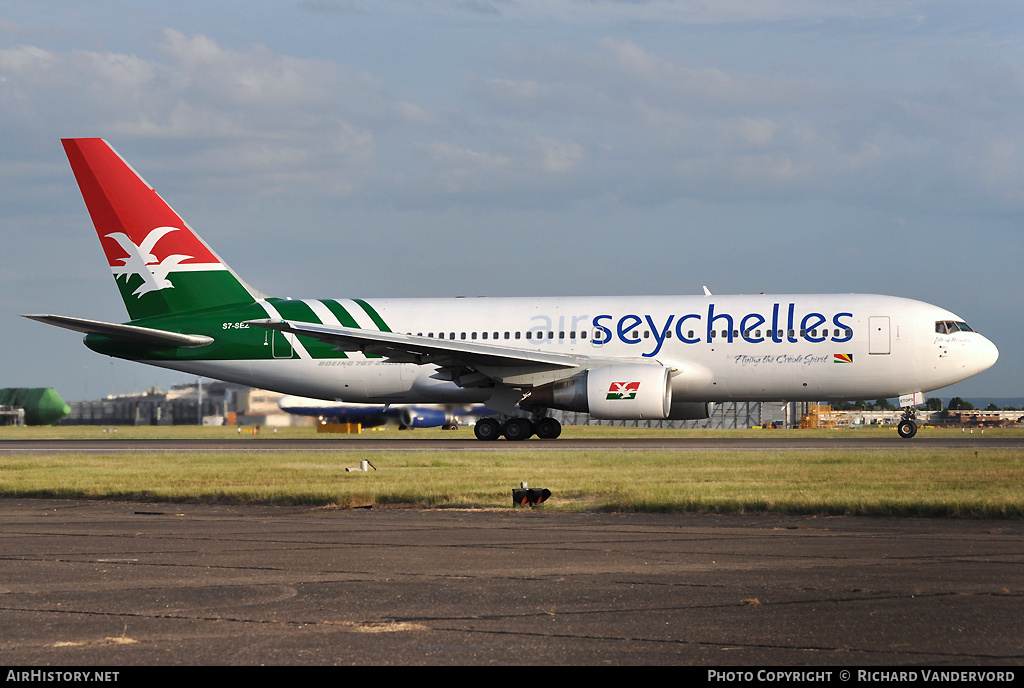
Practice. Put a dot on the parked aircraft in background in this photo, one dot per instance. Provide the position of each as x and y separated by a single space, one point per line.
644 357
405 416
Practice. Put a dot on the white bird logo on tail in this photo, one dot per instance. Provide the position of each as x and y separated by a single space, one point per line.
142 262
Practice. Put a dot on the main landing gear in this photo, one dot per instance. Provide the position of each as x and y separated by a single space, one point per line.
516 429
907 427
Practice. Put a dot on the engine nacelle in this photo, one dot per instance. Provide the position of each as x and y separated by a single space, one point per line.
626 392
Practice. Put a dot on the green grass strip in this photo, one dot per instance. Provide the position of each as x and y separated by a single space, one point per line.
941 482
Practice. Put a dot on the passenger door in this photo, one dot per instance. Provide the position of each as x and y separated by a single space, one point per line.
878 334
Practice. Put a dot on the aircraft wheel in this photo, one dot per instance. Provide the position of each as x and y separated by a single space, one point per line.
487 429
547 428
517 429
907 429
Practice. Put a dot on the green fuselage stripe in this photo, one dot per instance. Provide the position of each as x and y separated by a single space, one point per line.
340 313
377 320
294 310
301 312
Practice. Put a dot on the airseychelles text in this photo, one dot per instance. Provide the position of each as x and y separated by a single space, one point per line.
784 325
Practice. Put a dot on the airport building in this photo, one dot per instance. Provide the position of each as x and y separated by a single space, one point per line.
207 403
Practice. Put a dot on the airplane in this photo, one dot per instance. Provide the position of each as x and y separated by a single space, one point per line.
628 358
405 416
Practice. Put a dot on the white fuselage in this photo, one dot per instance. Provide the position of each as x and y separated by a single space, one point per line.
722 348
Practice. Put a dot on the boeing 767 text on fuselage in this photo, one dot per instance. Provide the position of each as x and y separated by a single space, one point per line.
622 358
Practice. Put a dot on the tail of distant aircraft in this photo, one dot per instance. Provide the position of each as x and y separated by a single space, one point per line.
160 265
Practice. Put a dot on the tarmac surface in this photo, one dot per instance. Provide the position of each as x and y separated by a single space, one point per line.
773 441
131 584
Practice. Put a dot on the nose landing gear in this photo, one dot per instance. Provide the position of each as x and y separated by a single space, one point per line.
907 427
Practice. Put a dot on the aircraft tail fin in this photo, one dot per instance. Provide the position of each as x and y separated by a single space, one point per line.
161 266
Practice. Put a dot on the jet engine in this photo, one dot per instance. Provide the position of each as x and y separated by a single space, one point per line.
425 417
626 392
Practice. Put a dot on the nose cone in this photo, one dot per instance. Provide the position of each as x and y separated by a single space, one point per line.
985 353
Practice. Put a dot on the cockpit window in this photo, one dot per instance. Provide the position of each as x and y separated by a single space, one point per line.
951 326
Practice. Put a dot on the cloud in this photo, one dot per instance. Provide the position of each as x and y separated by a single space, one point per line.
728 134
551 124
255 78
247 118
561 156
696 12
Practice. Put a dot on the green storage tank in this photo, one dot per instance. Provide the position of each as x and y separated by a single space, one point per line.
43 406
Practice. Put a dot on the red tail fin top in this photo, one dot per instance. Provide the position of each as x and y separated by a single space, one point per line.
159 264
125 208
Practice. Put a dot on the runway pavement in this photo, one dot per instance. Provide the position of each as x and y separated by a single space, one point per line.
717 441
122 584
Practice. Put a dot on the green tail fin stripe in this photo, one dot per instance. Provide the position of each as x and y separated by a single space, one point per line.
192 291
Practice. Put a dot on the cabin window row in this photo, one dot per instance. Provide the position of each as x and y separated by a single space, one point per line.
507 335
550 334
779 334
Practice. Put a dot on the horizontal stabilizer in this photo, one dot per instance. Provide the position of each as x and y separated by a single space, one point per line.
127 333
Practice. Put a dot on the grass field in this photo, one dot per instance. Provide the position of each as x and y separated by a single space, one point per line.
905 482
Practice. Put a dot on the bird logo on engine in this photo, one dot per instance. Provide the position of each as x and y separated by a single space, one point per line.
623 391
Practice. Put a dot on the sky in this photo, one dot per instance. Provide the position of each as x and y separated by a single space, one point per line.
348 148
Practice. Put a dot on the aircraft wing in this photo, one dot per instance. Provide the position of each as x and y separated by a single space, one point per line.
405 348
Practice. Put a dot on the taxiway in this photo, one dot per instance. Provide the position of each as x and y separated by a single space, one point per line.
122 584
